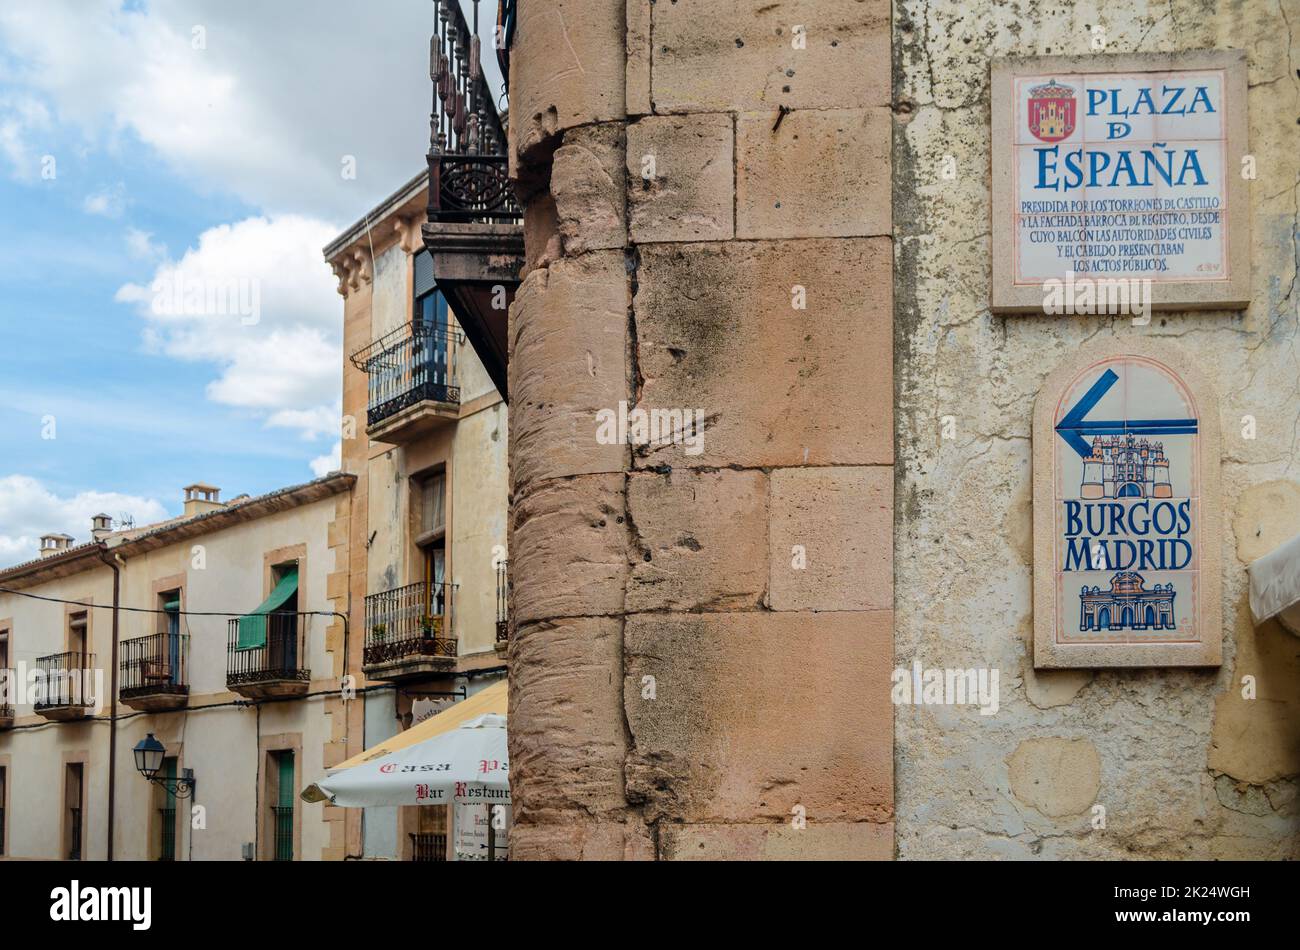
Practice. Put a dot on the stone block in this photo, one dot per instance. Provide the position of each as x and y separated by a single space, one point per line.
567 742
588 187
718 331
836 841
755 713
735 55
819 174
569 549
568 360
700 540
686 194
567 68
842 520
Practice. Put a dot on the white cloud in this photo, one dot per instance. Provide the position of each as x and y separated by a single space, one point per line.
28 510
263 109
255 299
142 246
310 423
107 202
324 464
21 116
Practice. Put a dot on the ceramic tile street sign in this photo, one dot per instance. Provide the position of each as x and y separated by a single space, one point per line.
1121 169
1126 512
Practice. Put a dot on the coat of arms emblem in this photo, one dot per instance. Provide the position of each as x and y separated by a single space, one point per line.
1051 111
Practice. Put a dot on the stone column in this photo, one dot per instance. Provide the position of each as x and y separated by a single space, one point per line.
703 629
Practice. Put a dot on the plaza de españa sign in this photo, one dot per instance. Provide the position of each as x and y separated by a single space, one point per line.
1121 169
1126 512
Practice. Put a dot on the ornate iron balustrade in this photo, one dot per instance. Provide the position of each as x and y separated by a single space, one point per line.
503 602
283 818
167 844
428 847
64 679
410 621
468 172
74 836
155 664
282 655
415 362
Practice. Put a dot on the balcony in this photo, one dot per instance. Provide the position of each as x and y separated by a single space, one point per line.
428 847
67 684
475 226
411 381
266 656
409 632
503 606
154 672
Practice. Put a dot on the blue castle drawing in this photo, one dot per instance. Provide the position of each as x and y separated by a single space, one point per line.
1128 605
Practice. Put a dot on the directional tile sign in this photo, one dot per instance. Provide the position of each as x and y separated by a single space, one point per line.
1126 512
1121 169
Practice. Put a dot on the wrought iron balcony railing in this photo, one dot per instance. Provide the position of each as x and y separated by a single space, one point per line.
282 817
74 835
410 621
279 650
155 664
503 602
65 680
428 847
167 833
468 174
414 363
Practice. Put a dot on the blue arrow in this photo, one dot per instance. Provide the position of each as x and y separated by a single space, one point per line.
1072 428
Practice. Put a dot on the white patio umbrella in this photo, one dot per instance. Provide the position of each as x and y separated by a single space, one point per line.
456 756
467 764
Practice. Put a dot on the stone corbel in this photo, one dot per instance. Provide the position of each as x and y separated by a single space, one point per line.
340 269
363 271
408 234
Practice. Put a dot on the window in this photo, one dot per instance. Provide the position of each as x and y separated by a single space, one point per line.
433 504
431 320
74 818
432 542
282 633
4 649
166 660
165 803
78 635
281 789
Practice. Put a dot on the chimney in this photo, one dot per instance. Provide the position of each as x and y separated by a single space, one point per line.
101 526
200 499
52 544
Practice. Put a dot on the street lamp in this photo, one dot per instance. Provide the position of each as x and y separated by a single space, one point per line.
149 753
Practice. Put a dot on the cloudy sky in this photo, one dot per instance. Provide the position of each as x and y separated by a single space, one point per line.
149 147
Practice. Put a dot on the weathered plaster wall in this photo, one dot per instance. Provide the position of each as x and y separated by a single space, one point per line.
1183 765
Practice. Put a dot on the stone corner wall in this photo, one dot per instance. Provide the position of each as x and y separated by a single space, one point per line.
703 630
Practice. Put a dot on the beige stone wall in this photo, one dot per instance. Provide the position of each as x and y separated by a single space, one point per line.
679 688
1181 763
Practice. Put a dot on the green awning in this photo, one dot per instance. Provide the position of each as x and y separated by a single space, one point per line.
252 627
172 605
